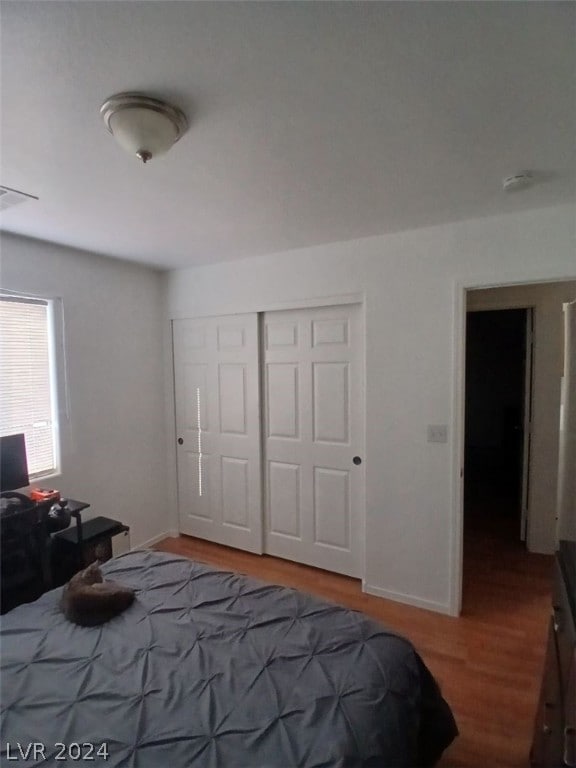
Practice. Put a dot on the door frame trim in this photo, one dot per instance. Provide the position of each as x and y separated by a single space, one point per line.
459 291
278 306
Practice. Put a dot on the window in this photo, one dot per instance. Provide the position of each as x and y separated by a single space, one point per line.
27 380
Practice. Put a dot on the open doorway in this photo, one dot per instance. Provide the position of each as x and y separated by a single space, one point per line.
497 423
490 527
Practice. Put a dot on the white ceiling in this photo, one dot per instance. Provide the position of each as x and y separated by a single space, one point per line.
311 122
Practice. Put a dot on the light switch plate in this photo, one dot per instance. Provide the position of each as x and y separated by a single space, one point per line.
437 433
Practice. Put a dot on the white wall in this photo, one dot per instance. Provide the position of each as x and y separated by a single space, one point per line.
413 286
113 445
548 360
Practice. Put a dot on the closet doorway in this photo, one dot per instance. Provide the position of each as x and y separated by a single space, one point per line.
270 429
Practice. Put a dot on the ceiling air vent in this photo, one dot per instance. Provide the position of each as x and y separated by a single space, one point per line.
10 197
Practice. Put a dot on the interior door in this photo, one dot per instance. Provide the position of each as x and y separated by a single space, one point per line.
216 382
314 437
566 502
527 422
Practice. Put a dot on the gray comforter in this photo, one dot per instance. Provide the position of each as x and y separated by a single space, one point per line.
209 668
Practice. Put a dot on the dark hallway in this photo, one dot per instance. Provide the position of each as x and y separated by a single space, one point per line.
494 443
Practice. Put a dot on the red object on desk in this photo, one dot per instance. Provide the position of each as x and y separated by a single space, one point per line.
44 494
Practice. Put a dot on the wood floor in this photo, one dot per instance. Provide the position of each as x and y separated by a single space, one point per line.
488 662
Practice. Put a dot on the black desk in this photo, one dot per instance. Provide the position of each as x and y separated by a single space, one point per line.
75 508
25 556
80 545
34 559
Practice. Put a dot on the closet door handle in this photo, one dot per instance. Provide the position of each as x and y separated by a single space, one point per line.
180 441
357 460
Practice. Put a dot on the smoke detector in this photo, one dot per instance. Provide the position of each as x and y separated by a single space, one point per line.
10 197
520 180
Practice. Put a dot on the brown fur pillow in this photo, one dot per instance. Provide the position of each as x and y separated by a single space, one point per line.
88 600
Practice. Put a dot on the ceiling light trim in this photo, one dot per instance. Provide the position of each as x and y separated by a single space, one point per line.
133 100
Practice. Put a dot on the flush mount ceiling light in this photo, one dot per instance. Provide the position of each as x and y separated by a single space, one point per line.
143 126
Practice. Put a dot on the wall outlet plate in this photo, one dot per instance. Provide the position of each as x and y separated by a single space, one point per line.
437 433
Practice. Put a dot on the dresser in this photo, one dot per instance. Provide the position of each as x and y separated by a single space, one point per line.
554 742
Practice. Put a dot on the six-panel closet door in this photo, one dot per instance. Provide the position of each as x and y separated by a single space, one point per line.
216 382
313 436
278 470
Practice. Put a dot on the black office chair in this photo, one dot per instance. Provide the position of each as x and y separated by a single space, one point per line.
25 554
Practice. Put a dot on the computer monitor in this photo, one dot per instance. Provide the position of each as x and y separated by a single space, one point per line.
13 462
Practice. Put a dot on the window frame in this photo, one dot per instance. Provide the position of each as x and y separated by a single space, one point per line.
59 405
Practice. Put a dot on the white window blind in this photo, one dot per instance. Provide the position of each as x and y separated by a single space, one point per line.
26 397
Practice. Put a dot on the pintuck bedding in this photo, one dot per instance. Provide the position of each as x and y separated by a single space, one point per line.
209 668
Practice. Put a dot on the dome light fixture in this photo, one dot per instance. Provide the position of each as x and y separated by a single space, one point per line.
143 126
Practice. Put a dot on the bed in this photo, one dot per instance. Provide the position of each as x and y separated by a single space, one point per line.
210 668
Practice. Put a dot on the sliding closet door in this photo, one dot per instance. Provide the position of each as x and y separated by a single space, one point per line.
314 436
218 429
